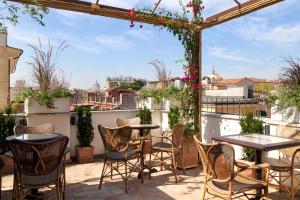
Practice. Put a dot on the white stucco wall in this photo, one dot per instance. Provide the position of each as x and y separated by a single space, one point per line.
229 92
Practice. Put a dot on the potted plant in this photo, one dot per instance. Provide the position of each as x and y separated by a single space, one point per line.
146 118
85 135
250 124
7 123
52 95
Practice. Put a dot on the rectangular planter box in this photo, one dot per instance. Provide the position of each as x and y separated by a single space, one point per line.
190 154
61 105
8 164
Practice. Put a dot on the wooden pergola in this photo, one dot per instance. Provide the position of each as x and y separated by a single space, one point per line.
97 8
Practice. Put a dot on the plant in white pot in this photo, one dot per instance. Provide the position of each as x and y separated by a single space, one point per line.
85 135
286 97
52 94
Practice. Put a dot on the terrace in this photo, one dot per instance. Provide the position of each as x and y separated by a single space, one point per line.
82 180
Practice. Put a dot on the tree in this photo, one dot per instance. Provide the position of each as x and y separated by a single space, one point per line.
11 13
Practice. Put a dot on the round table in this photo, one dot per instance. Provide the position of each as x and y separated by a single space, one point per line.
34 137
143 127
143 135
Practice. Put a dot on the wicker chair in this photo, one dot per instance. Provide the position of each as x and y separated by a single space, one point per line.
1 167
118 153
45 128
135 133
39 165
221 179
283 169
170 147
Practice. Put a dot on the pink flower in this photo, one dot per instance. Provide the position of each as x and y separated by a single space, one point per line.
131 11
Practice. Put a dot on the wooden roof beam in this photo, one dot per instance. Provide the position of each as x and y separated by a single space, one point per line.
237 11
103 10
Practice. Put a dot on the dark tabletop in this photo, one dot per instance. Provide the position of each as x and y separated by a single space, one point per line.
145 126
34 137
259 141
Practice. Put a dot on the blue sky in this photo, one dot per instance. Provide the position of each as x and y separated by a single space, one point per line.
252 46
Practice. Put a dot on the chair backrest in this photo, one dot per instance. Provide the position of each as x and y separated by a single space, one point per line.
203 149
45 128
115 139
127 122
221 161
288 132
38 158
178 134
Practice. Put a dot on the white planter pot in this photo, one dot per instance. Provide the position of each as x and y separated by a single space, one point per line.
61 105
150 104
278 116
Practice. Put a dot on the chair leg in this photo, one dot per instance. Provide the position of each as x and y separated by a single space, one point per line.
161 159
102 174
111 170
203 193
126 178
150 164
174 167
58 191
280 187
266 193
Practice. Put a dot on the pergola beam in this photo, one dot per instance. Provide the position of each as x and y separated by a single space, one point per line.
106 11
237 11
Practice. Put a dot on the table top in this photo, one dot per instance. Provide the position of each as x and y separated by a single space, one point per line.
145 126
34 137
259 141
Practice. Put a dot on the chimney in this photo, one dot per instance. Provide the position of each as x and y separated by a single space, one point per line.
3 39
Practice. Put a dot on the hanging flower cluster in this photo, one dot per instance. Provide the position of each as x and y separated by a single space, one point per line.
133 17
196 5
190 78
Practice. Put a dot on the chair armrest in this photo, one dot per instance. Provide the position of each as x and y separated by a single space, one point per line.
260 166
241 164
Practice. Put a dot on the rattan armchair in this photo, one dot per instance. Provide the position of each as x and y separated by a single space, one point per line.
118 153
135 133
284 169
168 149
39 165
45 128
221 178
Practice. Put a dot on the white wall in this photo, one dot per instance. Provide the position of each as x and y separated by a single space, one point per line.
229 92
107 119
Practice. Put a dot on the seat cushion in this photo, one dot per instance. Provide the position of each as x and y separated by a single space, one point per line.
121 155
240 184
162 146
43 179
277 164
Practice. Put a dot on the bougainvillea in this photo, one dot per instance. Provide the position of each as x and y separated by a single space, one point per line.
191 12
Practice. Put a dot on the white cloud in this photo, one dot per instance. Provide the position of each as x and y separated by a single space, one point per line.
140 34
259 29
114 42
232 55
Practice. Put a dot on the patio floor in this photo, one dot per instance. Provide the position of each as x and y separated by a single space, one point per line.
83 179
